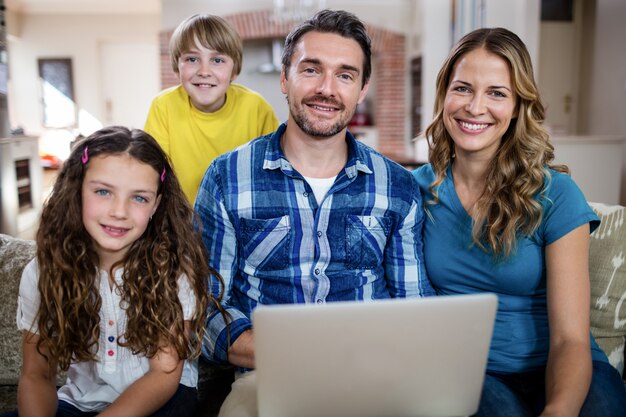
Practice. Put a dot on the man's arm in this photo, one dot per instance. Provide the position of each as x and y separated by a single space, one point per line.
404 255
221 342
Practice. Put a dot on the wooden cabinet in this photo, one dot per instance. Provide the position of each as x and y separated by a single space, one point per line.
21 182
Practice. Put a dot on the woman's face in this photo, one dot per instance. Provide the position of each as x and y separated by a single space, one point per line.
479 104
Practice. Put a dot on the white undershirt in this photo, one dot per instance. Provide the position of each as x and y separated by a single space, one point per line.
320 186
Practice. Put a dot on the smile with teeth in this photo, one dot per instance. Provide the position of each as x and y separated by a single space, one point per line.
473 126
322 108
115 230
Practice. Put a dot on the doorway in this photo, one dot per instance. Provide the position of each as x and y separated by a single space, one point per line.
128 82
559 64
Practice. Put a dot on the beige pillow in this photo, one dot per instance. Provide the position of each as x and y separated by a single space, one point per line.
607 267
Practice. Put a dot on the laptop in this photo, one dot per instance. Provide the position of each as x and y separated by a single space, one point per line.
419 357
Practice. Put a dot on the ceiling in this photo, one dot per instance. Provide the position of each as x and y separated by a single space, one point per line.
84 6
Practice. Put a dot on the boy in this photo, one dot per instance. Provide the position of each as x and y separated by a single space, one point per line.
206 115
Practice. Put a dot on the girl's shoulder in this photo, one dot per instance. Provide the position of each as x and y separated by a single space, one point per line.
30 274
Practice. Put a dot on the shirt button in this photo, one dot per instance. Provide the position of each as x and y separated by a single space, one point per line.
319 301
111 339
319 234
305 194
111 322
110 353
317 271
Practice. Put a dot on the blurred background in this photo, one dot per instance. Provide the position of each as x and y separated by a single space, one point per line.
69 67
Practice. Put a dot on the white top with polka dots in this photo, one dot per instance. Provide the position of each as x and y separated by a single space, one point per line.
92 386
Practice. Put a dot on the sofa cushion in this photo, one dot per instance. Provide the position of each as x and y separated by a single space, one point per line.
14 255
607 266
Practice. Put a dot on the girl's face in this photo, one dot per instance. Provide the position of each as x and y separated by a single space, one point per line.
479 104
119 196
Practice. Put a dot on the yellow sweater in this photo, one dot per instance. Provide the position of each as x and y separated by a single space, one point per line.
193 139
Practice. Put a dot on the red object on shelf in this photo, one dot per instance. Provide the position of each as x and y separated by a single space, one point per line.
50 161
361 116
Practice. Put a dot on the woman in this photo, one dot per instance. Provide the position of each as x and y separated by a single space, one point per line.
502 219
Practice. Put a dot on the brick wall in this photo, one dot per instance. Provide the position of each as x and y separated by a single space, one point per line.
388 48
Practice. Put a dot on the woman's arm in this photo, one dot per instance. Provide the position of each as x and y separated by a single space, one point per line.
36 391
569 368
150 392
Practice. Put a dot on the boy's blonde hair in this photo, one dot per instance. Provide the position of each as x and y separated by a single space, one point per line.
213 32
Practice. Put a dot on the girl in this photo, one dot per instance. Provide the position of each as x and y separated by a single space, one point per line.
118 293
503 219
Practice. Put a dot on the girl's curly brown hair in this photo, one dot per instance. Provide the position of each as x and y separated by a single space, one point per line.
68 319
516 175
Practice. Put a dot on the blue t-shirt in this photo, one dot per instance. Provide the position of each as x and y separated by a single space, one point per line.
455 265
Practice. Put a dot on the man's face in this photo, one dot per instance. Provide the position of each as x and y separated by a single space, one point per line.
323 85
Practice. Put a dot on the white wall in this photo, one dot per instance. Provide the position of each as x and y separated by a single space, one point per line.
607 88
388 14
77 37
595 163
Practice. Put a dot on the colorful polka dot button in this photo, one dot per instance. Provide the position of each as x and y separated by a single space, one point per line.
111 339
110 353
111 322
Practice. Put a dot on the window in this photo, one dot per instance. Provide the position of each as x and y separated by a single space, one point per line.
59 109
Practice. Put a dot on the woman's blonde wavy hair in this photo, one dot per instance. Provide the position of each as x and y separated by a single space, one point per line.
68 318
509 206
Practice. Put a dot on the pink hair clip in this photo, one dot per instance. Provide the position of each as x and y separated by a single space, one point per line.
85 156
163 175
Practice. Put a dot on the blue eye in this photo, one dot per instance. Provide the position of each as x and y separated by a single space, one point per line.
102 192
191 59
140 199
219 60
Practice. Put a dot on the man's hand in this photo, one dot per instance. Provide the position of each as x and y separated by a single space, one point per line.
241 352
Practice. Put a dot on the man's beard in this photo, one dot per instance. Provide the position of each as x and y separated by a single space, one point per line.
308 126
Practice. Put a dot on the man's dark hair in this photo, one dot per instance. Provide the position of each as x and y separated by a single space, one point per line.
339 22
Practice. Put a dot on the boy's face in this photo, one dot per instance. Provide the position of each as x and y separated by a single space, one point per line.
205 75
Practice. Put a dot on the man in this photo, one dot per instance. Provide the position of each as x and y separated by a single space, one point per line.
308 214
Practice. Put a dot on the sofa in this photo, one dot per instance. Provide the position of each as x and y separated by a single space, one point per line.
607 263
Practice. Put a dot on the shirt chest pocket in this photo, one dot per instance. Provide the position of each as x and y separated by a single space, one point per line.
366 238
265 243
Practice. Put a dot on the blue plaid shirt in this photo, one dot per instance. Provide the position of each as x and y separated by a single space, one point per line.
272 243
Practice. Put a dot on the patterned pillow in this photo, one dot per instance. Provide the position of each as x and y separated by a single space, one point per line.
607 266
